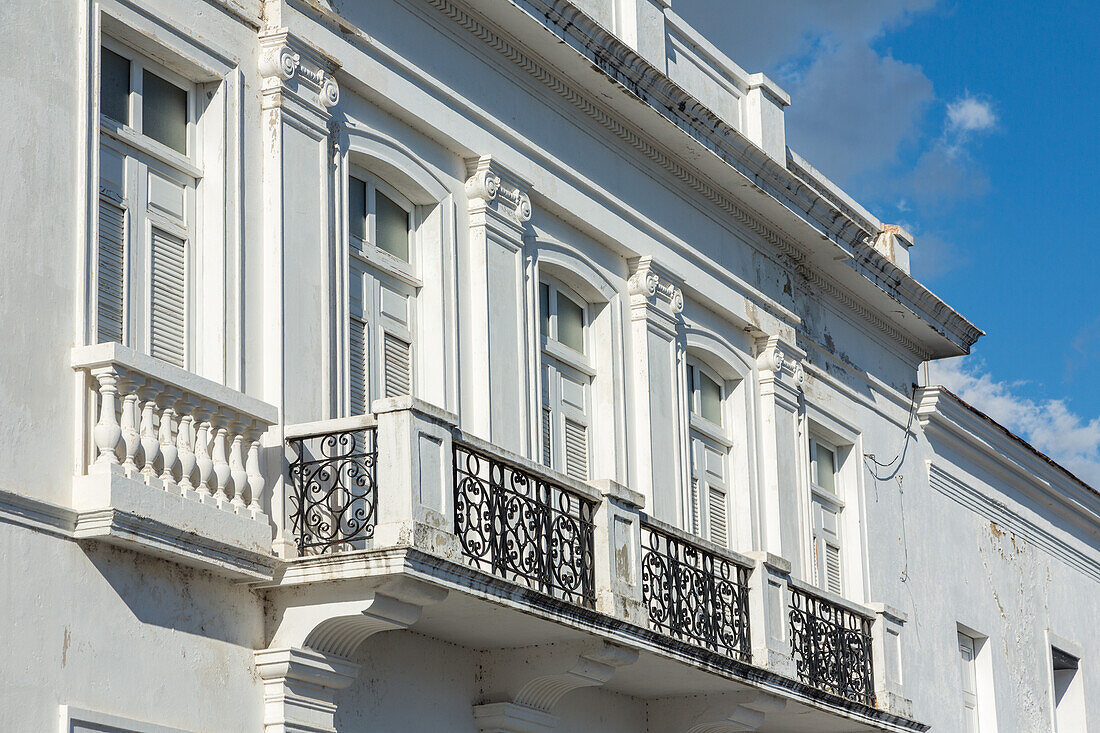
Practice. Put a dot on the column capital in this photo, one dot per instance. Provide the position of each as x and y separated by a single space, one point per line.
294 70
300 687
780 365
654 291
492 187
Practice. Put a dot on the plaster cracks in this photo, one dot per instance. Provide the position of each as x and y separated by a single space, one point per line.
1015 575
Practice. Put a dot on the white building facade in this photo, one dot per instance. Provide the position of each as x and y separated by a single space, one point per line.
486 365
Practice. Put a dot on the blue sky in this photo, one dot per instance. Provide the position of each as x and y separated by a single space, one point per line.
976 126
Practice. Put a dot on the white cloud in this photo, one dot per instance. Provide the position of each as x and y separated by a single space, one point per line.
1050 425
970 114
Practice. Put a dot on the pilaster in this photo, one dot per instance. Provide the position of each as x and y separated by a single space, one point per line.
297 94
656 325
300 687
494 305
780 376
768 608
886 655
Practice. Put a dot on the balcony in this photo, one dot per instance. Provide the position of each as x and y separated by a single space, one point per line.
171 464
488 550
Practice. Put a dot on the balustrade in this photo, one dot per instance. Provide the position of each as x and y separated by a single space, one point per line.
334 499
694 594
831 646
174 431
517 525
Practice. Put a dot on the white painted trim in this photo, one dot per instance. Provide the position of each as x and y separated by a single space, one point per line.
71 715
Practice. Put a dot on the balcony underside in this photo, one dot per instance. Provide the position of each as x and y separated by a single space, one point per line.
482 612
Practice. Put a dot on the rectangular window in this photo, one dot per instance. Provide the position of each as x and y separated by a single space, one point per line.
1069 692
708 500
968 667
147 193
566 381
827 507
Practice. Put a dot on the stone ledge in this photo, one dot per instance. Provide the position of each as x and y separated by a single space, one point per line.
125 512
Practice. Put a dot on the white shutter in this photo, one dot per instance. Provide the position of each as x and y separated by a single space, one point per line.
969 682
110 266
168 298
827 547
576 450
695 526
719 521
397 364
358 339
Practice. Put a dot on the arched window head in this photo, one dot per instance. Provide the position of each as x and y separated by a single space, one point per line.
379 217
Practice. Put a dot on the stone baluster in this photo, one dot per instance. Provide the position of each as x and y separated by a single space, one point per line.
150 443
255 475
222 471
168 450
202 453
129 426
107 432
237 469
185 448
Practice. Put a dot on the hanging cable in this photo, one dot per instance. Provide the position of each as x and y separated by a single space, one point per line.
905 444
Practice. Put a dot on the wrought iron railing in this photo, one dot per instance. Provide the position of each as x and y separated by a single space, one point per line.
334 499
525 529
695 595
831 646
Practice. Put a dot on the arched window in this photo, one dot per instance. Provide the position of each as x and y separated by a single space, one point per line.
567 373
381 255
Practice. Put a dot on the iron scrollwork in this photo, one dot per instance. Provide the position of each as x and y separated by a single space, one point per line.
522 528
335 494
695 595
831 646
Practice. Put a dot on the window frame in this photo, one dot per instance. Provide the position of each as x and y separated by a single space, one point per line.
132 133
822 500
141 156
368 249
549 342
385 270
561 361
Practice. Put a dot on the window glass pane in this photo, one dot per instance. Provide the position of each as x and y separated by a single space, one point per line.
693 384
164 112
391 225
826 468
114 86
710 397
570 323
544 309
357 208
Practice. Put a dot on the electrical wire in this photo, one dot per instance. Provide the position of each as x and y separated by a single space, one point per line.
904 445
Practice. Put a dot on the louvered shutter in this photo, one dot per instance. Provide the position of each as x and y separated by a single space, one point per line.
110 266
827 547
397 363
709 492
168 297
358 338
719 521
576 450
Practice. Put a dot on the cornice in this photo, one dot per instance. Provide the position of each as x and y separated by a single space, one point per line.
655 89
36 514
938 409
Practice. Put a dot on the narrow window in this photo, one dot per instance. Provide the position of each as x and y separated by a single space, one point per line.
708 492
147 189
1069 692
827 507
968 667
380 299
566 380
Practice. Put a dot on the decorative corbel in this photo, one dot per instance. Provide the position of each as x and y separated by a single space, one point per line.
490 186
